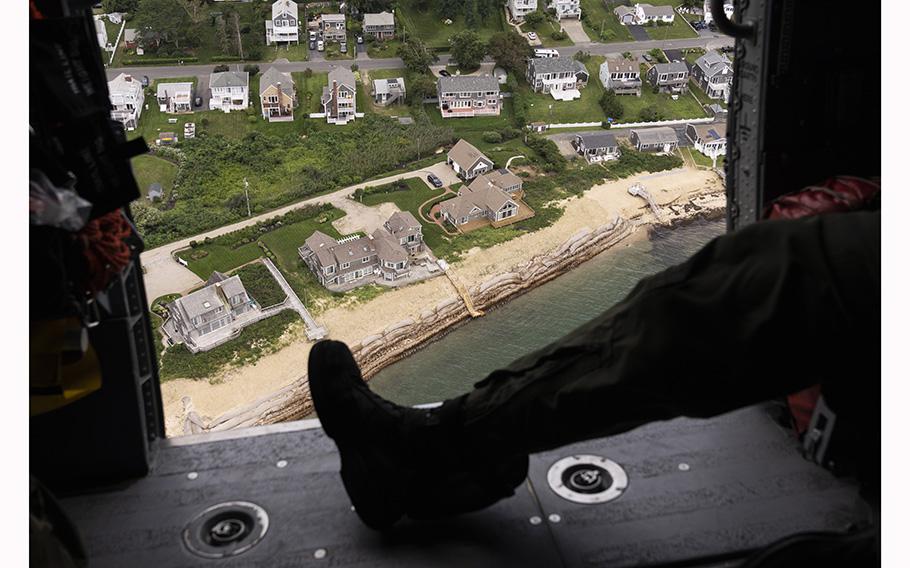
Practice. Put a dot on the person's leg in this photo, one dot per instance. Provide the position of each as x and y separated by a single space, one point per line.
758 313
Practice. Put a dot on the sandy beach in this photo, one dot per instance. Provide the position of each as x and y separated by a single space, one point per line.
597 206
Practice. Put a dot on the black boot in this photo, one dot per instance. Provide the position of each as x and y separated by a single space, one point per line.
396 460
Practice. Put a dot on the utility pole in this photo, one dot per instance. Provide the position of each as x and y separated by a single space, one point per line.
246 186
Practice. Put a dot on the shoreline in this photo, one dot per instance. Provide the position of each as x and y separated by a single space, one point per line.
685 197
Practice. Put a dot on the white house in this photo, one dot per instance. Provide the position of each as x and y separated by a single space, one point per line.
559 76
709 139
101 33
230 90
640 14
566 8
621 75
521 8
127 98
284 25
467 161
339 97
728 10
174 98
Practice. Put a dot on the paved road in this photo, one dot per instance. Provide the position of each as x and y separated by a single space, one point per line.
164 275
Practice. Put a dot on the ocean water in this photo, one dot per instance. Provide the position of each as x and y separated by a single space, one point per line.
450 366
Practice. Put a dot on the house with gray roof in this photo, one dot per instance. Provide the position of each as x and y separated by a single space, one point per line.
467 161
465 96
662 139
175 98
333 27
565 8
388 91
406 230
562 77
621 75
230 90
709 139
218 304
646 14
127 100
284 25
381 25
339 97
714 74
479 201
670 77
277 95
596 146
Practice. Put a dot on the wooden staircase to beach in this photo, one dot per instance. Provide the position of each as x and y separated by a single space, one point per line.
463 292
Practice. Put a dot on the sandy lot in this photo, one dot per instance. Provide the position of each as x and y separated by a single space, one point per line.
596 207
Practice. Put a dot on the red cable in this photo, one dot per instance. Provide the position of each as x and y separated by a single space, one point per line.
105 249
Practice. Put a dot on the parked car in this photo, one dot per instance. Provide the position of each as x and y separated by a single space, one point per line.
344 47
312 36
647 57
197 102
360 39
312 44
532 36
444 73
320 45
434 181
144 81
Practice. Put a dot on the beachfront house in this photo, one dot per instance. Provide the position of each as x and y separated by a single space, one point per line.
467 161
559 76
332 27
713 72
127 98
388 91
596 146
565 8
284 25
621 75
381 25
465 96
277 96
521 8
406 230
483 200
230 90
709 139
669 77
339 97
662 139
174 98
728 10
209 309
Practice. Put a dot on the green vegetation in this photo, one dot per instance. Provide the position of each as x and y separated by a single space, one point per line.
150 169
255 341
377 49
542 106
545 28
427 22
407 194
684 107
291 52
261 285
309 92
692 54
601 24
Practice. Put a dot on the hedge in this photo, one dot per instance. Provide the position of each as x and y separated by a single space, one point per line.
158 60
226 58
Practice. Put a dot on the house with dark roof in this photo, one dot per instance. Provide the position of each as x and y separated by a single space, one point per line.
467 161
596 146
714 74
339 97
218 304
277 96
493 198
670 77
559 76
662 139
709 139
465 96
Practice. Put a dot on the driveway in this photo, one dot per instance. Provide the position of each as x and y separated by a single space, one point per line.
202 90
638 33
674 55
564 143
575 30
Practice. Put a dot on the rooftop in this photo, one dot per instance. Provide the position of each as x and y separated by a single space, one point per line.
659 135
469 83
229 79
380 19
597 139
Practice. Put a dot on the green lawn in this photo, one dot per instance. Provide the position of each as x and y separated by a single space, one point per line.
261 285
545 31
585 109
383 49
685 107
150 169
429 26
309 92
597 17
299 52
692 54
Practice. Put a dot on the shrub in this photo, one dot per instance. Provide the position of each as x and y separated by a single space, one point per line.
159 60
649 114
608 35
221 69
251 69
548 153
492 137
559 35
509 133
582 56
218 58
606 125
354 67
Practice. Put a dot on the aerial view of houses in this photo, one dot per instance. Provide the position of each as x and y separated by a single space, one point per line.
230 90
713 72
127 98
388 91
596 146
466 96
621 75
644 14
562 77
222 304
492 199
518 9
670 78
467 161
565 8
662 139
380 26
175 98
284 26
277 95
339 97
709 139
332 27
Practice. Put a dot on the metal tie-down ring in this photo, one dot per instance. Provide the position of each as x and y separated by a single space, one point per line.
587 479
226 529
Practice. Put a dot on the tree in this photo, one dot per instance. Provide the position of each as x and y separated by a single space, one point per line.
371 6
627 55
221 69
417 58
168 19
449 8
467 50
611 106
509 50
582 56
535 18
420 87
649 114
120 6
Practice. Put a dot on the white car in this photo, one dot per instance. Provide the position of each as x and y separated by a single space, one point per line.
532 36
320 45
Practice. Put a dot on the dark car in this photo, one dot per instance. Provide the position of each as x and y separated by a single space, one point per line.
647 57
144 81
434 181
198 102
444 73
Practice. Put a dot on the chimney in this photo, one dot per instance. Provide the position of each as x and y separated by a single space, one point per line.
127 78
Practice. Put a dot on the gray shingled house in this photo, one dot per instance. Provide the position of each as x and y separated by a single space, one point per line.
670 77
559 76
213 307
467 161
661 139
596 146
468 96
714 74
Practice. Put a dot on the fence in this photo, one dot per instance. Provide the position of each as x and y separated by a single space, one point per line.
632 124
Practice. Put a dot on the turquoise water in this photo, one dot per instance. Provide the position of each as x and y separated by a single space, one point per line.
451 365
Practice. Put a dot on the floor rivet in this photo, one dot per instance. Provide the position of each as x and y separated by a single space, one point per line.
683 467
535 520
192 475
282 463
554 518
320 553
